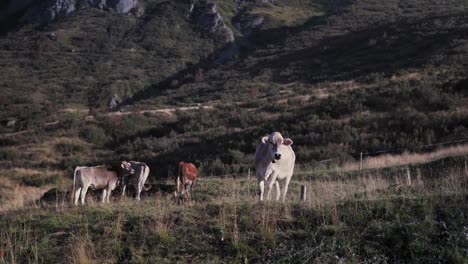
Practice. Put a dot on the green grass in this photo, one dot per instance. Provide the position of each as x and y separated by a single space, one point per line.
286 14
225 227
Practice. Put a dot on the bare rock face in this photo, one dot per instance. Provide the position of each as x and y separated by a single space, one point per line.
45 11
204 13
121 6
247 23
113 103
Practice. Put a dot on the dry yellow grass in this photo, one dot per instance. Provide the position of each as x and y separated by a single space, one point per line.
82 251
163 221
30 171
15 194
390 160
19 196
322 194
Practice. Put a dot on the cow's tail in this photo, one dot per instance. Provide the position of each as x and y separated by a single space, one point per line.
74 183
145 172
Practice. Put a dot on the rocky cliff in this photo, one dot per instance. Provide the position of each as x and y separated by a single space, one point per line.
44 12
204 13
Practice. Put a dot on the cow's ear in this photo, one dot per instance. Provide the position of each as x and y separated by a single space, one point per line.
287 142
264 140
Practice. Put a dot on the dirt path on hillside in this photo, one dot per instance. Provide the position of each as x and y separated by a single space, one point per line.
167 111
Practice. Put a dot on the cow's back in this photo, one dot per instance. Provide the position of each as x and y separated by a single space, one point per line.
141 171
96 177
190 171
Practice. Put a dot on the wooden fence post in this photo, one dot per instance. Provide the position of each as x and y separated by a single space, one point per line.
408 176
419 177
466 169
360 162
303 193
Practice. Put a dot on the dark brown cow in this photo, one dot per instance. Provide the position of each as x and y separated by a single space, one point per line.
186 179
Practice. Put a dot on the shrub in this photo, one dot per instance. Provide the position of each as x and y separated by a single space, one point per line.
68 148
9 154
95 135
37 180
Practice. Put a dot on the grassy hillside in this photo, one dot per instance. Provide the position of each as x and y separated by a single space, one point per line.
377 217
338 77
361 77
343 78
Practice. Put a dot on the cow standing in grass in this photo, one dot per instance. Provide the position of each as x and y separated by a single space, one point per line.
274 165
186 179
99 177
139 172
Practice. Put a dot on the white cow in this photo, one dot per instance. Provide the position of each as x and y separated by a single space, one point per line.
140 172
274 165
98 177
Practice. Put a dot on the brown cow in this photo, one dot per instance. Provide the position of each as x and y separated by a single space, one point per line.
186 181
98 177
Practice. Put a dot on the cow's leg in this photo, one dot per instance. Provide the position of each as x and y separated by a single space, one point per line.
285 188
83 194
104 194
108 195
261 184
138 191
278 193
177 187
77 195
189 192
268 191
123 189
270 185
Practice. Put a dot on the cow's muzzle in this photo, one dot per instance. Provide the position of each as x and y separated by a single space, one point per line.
277 156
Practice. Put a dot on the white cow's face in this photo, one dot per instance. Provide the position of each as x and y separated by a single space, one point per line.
276 145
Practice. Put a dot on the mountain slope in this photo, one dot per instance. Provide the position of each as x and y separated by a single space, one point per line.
339 77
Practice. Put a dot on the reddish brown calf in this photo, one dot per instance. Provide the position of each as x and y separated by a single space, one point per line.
186 179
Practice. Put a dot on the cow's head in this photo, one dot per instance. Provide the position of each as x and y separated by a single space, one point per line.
276 145
127 167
